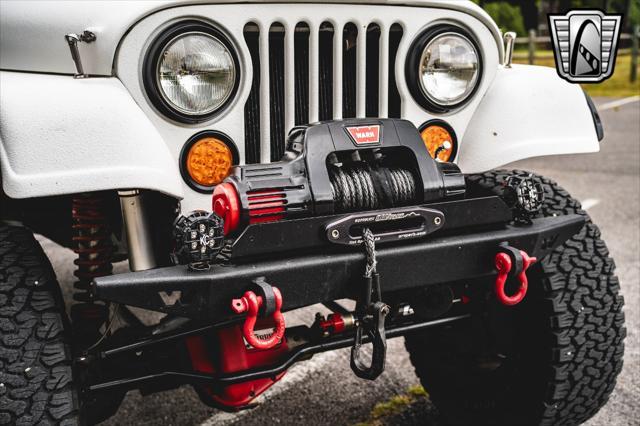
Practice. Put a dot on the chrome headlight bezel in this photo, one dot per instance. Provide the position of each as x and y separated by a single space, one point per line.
151 78
413 66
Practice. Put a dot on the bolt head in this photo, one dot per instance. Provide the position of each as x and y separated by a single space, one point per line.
335 234
437 220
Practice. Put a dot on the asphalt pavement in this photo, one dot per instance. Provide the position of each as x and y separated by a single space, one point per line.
324 391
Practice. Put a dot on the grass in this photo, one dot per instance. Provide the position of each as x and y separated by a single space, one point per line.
616 86
395 405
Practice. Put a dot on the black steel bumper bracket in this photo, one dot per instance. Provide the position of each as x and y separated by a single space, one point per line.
315 278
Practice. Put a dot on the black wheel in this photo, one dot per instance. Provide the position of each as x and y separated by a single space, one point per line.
551 360
36 383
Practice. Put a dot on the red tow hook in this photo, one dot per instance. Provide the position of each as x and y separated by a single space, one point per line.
504 264
251 303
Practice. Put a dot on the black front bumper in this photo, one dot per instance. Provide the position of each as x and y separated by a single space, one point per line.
305 279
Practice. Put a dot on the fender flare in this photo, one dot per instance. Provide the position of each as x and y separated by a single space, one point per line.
60 135
527 112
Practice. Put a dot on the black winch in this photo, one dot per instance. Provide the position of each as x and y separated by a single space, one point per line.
337 167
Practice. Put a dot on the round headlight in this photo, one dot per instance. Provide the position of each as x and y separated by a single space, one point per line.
191 72
446 67
196 73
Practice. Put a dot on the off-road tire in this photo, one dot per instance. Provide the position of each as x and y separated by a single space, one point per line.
567 342
35 361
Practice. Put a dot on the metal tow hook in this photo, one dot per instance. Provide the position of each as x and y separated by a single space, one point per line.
371 318
373 325
511 261
271 301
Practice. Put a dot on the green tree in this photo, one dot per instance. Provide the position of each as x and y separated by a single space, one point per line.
630 8
507 16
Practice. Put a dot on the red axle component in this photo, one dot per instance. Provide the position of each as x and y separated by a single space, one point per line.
239 348
227 352
337 323
250 303
504 265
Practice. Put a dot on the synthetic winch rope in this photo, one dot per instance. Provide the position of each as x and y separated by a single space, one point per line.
359 187
370 249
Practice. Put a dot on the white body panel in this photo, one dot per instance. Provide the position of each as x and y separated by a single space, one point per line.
528 112
59 135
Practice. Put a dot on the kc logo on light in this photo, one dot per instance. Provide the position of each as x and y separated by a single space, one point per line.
365 135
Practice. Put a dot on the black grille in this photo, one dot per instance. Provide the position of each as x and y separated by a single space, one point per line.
301 74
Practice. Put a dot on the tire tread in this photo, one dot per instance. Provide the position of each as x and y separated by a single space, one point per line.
35 359
584 309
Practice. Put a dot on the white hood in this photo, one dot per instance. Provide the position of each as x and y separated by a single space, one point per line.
32 32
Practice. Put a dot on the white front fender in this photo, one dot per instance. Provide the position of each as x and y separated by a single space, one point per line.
527 112
60 135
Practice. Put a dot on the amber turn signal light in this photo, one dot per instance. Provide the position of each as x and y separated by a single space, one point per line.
206 161
440 140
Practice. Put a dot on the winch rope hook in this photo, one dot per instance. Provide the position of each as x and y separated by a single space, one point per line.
371 317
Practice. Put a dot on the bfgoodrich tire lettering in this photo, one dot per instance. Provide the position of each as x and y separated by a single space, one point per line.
35 363
566 346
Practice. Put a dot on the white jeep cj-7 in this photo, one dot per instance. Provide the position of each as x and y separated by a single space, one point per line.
251 158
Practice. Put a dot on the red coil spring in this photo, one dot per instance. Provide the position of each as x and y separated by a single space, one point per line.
92 242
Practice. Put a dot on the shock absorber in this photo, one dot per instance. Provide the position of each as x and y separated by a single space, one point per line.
92 243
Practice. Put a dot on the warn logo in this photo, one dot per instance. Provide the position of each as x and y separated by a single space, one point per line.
365 135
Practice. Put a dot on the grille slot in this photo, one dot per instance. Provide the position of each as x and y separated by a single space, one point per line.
301 59
395 106
252 107
306 72
373 74
326 71
276 90
349 78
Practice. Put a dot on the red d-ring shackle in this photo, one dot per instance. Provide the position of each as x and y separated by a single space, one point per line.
504 265
251 303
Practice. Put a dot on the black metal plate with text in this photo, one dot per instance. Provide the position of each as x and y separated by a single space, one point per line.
396 224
